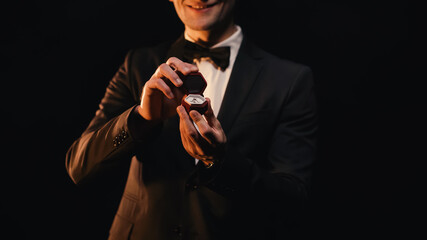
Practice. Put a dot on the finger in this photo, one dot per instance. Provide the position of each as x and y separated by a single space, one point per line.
184 139
186 124
159 84
165 71
210 116
182 113
204 129
197 118
183 67
191 139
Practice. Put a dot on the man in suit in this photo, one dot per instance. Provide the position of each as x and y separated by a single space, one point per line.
240 171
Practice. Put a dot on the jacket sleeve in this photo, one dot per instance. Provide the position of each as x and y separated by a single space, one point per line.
290 155
107 142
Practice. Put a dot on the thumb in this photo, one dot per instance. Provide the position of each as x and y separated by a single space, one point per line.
210 116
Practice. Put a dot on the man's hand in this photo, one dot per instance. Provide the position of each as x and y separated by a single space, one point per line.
163 92
208 143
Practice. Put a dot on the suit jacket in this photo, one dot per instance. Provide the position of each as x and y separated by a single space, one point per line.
256 192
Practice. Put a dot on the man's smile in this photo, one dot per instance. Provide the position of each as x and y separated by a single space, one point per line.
201 6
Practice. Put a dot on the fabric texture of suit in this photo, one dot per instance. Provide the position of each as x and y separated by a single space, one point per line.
257 191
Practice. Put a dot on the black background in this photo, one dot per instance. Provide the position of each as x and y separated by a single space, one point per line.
60 55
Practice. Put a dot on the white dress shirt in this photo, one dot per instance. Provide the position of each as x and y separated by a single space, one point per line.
216 78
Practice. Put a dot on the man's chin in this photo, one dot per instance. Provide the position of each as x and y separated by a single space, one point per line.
202 26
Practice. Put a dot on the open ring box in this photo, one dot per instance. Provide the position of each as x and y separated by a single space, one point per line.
194 85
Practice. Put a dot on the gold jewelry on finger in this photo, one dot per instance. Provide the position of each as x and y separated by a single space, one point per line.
210 164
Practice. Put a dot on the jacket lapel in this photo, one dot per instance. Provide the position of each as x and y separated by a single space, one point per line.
245 71
177 49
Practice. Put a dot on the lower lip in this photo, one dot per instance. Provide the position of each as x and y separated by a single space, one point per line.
202 10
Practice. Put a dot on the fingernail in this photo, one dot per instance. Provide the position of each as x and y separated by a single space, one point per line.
179 81
180 111
193 114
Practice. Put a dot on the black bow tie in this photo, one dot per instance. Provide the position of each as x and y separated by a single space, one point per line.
220 56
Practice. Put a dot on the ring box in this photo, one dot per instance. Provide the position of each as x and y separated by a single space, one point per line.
194 85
